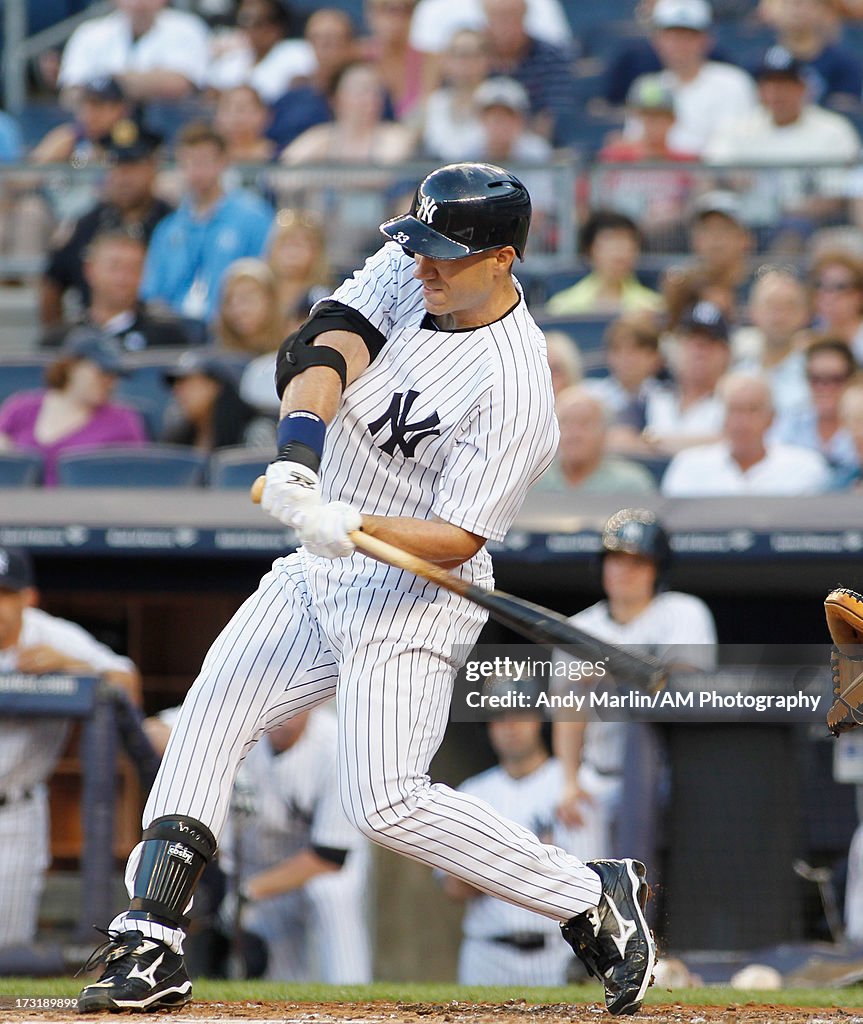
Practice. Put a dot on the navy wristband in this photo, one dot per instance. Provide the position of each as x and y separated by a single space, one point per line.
300 437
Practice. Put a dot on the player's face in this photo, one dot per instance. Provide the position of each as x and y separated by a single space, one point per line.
12 605
514 738
469 292
630 578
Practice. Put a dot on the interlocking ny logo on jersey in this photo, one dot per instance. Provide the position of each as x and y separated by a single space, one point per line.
397 417
426 209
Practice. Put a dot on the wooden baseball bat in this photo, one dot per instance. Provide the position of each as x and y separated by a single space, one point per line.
540 625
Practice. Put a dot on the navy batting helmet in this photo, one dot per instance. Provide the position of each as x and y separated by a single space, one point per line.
637 531
461 209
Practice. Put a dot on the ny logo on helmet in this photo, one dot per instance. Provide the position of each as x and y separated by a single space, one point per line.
426 209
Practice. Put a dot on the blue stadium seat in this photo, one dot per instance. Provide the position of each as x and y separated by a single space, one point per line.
586 331
21 374
656 465
144 388
237 467
20 469
157 465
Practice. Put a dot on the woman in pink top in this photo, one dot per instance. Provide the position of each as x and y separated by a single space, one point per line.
75 410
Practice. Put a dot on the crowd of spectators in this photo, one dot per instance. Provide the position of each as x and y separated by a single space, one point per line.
194 238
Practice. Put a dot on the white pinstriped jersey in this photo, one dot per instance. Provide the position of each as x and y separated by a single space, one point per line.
446 424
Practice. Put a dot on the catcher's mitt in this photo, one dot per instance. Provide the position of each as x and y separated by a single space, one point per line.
844 609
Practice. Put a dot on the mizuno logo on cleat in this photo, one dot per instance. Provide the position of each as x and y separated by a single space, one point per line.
626 928
147 975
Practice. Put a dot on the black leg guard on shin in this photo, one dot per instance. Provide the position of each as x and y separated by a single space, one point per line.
175 852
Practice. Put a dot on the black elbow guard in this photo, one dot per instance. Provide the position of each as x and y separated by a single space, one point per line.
297 352
331 854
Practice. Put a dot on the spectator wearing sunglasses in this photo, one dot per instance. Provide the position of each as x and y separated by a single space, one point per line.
837 286
817 424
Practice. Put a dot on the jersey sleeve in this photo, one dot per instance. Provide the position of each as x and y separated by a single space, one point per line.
373 290
75 642
691 634
507 442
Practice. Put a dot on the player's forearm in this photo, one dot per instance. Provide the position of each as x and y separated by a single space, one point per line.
435 541
567 740
288 875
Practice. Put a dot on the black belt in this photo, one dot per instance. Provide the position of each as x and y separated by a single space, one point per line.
525 942
15 798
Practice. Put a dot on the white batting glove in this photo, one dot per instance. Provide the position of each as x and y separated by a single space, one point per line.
325 531
291 492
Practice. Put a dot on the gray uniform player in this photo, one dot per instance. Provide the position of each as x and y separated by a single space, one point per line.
416 405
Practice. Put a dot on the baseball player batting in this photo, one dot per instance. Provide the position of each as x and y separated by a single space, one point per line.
416 404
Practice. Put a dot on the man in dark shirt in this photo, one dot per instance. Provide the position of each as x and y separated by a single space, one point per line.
127 203
113 268
544 70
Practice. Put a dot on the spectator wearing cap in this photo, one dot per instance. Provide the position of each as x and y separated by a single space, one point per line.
637 56
207 412
816 423
544 70
583 462
744 461
706 92
650 106
688 411
503 106
127 203
450 123
261 53
113 268
100 104
721 245
156 53
74 410
786 128
192 247
35 643
611 243
657 198
833 70
330 33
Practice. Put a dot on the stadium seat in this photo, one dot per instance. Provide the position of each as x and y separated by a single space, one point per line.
25 373
656 465
586 331
144 389
20 469
143 466
237 467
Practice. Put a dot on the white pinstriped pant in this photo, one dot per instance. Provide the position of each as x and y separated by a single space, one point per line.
386 654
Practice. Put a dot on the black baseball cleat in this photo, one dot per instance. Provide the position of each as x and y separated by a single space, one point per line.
141 974
613 941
